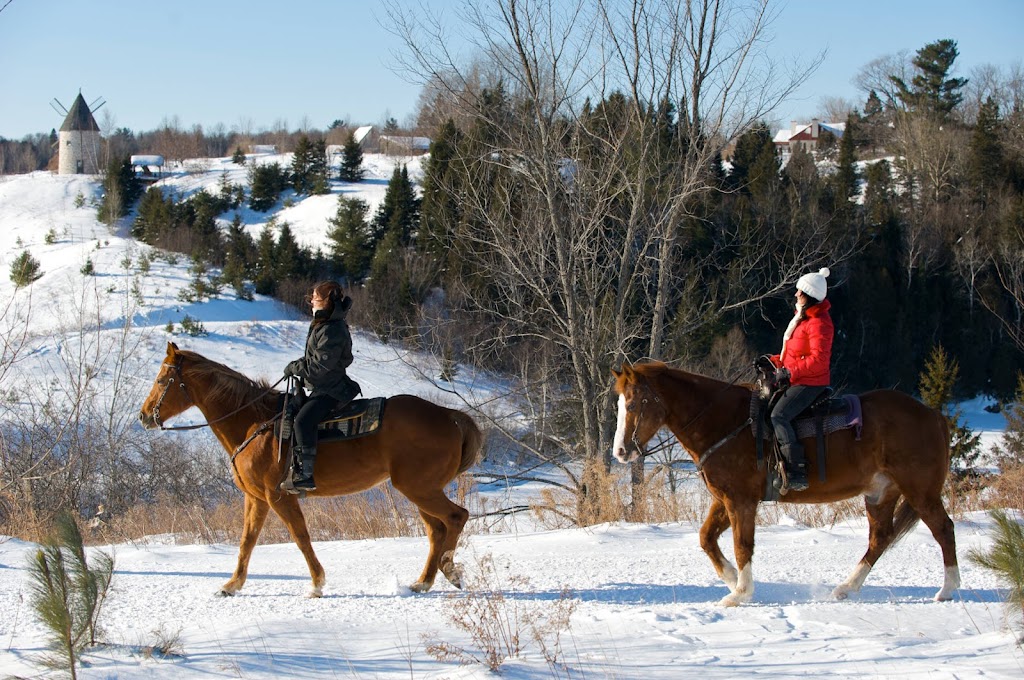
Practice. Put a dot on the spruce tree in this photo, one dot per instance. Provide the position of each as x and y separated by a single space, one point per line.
351 160
302 160
399 212
937 384
264 278
318 182
287 255
349 238
1011 453
239 156
845 179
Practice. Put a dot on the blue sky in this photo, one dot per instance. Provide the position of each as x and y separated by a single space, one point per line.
255 62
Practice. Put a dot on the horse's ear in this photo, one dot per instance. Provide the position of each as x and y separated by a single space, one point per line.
617 374
171 348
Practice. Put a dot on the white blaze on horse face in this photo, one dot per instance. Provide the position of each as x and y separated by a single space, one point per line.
619 446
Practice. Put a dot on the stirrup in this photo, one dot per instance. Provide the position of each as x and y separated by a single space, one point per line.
796 480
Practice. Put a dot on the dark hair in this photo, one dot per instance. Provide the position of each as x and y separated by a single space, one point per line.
329 290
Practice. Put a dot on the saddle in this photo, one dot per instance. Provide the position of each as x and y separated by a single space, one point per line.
358 418
827 414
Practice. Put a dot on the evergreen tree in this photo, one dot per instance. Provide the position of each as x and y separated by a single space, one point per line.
931 90
440 214
239 156
25 269
351 160
288 260
399 212
318 168
120 190
937 390
845 179
264 279
985 154
153 218
266 182
240 252
349 238
302 161
1011 453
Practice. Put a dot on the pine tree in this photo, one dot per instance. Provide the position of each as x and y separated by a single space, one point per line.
318 183
937 384
440 214
349 238
287 255
1006 558
67 593
931 91
240 250
399 212
25 270
153 218
239 157
264 279
351 160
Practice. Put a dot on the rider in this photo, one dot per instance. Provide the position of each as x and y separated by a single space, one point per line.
322 368
803 365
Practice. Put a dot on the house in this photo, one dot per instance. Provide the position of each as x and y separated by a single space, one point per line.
804 136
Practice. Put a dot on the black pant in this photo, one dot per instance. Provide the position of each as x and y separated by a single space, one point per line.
795 399
315 409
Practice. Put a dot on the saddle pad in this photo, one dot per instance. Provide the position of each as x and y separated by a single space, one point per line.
358 418
843 413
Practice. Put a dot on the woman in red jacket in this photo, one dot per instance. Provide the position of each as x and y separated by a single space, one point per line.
803 363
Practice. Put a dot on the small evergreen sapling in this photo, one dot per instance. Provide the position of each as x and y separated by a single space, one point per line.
1006 558
67 593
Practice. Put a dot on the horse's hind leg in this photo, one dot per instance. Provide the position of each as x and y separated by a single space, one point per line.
714 525
436 506
255 515
880 535
287 508
935 518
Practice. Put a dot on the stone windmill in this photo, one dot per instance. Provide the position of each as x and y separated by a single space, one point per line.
79 140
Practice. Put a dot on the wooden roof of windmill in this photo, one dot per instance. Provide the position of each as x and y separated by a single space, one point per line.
79 118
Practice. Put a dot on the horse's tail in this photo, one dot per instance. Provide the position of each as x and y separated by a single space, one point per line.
472 440
905 519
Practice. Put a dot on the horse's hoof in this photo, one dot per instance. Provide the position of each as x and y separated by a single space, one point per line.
840 594
224 593
420 587
314 594
730 600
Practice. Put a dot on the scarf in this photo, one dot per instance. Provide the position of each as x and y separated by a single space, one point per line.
790 328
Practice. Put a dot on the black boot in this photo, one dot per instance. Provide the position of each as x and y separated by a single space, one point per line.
796 466
304 480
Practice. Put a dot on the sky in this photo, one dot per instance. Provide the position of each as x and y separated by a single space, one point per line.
253 64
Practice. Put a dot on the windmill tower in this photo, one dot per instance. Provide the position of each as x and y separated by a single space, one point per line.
79 140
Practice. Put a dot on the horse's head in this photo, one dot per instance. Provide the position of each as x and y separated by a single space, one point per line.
641 414
168 397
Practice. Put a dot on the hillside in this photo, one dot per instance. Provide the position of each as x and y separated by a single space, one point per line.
643 598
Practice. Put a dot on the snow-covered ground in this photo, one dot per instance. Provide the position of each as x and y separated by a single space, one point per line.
643 597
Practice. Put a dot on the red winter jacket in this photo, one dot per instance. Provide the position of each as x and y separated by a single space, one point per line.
808 351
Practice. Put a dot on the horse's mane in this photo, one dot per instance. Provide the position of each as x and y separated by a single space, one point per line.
656 369
230 386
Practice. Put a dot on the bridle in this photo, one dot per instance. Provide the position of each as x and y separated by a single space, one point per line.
181 383
668 443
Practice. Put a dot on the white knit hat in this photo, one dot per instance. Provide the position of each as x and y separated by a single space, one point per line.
814 284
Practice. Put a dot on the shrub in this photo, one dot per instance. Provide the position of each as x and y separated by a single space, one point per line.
25 269
88 269
193 327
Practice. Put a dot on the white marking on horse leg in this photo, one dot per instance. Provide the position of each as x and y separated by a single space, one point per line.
744 590
315 592
619 443
951 583
729 574
852 584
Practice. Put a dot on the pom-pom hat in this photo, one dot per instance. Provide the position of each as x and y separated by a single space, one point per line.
813 284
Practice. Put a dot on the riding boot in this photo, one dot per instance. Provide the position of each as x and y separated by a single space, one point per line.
796 466
304 481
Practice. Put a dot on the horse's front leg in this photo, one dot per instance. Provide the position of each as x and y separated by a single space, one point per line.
287 508
742 518
255 515
714 526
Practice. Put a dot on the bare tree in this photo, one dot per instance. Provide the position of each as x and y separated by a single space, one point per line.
583 214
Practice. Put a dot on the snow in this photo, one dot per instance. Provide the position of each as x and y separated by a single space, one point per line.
645 597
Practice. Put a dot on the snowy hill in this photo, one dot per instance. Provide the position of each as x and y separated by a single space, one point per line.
644 597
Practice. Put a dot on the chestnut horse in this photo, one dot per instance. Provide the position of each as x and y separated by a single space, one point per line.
420 446
899 465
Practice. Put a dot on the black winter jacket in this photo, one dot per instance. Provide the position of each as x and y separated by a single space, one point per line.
328 354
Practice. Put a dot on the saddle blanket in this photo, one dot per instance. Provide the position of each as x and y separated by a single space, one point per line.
842 413
356 419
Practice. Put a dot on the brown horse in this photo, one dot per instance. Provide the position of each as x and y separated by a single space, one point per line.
420 446
901 459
